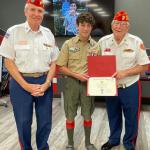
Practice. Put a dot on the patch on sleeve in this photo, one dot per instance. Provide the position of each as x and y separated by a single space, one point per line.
142 46
7 35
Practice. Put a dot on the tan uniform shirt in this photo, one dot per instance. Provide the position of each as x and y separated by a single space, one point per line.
31 51
74 54
129 53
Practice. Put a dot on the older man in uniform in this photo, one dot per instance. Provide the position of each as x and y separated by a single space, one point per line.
73 63
131 60
30 54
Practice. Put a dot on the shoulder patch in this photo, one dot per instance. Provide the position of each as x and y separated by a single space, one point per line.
142 46
44 28
106 37
7 35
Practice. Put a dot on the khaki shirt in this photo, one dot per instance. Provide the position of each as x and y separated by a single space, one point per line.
31 51
74 54
129 53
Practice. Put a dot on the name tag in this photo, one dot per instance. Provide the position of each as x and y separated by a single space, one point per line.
17 46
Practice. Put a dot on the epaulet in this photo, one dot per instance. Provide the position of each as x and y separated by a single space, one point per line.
105 37
14 27
134 37
74 39
67 41
70 40
45 29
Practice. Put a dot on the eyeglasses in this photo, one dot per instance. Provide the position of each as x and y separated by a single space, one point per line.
121 23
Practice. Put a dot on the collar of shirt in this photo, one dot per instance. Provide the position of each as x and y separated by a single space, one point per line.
124 40
28 28
77 39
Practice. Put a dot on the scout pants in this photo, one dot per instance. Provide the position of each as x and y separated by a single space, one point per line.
75 94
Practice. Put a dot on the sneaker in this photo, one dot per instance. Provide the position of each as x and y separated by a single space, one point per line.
69 147
90 147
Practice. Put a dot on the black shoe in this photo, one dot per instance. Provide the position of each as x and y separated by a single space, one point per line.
108 146
131 149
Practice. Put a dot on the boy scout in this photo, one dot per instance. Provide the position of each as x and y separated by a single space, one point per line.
73 63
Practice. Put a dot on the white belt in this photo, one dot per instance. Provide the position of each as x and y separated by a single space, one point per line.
124 85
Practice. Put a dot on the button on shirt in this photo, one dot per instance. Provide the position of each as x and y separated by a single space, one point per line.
31 51
129 53
74 54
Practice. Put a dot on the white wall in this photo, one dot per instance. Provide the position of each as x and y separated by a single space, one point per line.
139 15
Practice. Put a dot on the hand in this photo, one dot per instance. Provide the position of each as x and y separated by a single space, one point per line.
43 88
119 75
33 88
93 52
82 77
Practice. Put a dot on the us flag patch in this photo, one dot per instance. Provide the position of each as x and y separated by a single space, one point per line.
7 35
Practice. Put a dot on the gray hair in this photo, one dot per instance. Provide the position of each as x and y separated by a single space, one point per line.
25 7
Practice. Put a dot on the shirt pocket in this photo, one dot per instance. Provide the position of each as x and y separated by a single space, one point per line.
129 58
21 53
74 55
46 55
128 54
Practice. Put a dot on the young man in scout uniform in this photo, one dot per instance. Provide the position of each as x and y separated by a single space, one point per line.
131 60
73 63
30 54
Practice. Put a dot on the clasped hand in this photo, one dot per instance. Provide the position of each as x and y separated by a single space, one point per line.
37 89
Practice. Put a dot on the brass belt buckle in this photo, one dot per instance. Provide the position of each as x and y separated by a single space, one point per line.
36 75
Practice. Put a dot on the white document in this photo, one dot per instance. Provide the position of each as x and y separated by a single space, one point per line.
102 86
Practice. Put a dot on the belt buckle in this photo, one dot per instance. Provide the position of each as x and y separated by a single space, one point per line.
36 75
122 86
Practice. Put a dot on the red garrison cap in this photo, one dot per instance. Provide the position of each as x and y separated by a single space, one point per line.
121 16
38 3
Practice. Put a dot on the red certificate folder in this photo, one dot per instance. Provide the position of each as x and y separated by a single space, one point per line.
100 71
101 66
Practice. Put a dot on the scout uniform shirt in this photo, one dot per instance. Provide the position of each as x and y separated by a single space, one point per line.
129 53
74 54
31 51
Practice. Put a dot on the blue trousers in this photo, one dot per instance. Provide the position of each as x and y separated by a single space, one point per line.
23 103
127 103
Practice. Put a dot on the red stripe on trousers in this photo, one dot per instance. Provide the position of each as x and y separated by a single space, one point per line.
21 145
139 107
